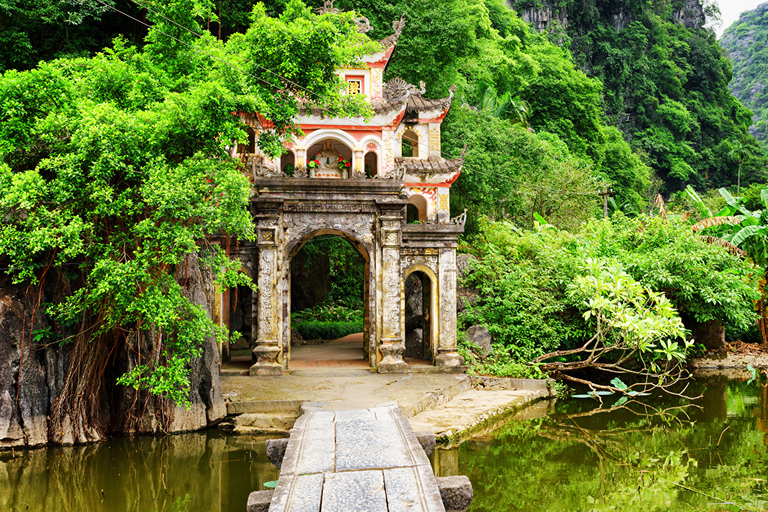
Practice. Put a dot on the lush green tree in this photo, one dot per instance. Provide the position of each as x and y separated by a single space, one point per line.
513 173
117 166
523 278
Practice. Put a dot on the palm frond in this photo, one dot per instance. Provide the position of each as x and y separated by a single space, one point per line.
714 221
725 244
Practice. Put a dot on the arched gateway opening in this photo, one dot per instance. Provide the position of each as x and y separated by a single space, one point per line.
420 303
328 306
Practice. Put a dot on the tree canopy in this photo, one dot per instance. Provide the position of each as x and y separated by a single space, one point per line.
116 167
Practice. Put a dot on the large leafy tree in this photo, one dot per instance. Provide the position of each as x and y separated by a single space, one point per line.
117 166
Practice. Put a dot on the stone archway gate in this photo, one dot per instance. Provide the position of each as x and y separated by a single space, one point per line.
370 214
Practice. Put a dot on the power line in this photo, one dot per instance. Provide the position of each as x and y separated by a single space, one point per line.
489 174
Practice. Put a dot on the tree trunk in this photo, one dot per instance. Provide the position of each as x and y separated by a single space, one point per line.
67 394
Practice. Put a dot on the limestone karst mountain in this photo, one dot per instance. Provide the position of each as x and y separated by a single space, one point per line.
746 41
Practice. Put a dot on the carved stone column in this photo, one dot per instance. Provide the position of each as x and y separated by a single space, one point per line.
447 352
267 353
391 345
359 160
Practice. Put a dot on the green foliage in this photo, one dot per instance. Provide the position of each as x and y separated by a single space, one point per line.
318 330
627 316
664 87
524 277
120 161
328 311
512 173
702 281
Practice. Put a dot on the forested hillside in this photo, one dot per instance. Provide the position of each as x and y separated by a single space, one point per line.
665 83
747 44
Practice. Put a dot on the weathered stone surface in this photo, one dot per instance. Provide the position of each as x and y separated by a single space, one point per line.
313 429
408 490
276 451
376 464
479 336
369 214
358 490
296 338
456 492
427 440
299 493
24 383
258 501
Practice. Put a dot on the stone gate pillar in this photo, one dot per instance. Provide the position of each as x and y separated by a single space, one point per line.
391 345
267 350
447 352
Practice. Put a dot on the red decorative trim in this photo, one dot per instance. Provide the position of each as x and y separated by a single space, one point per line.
382 62
428 185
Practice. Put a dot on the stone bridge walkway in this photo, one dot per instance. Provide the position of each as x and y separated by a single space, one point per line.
355 460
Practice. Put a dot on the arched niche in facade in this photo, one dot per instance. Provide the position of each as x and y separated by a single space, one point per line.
288 162
416 209
371 161
410 144
326 153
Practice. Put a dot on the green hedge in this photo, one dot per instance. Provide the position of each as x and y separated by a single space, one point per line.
314 330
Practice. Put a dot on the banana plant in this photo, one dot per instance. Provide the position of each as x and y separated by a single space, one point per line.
743 232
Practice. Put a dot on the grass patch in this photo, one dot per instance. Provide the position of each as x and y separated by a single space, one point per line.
316 330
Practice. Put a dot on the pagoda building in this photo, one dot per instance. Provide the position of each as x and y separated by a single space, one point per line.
382 185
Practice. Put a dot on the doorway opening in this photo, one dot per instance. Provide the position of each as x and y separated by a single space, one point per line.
329 302
420 328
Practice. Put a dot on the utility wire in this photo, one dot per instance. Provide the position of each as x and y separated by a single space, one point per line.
489 174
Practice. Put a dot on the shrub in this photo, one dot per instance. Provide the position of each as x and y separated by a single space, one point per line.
314 330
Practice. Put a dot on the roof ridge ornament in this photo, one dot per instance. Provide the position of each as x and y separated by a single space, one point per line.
327 8
397 90
397 28
363 24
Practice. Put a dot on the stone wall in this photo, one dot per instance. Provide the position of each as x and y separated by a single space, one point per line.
33 372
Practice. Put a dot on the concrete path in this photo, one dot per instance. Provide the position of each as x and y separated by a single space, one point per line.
355 460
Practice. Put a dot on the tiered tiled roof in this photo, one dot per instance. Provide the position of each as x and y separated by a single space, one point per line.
418 167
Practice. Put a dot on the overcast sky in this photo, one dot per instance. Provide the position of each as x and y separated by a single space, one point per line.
731 9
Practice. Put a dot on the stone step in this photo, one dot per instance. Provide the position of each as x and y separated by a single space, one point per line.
470 409
268 423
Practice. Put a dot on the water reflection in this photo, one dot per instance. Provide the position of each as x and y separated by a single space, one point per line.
661 454
211 472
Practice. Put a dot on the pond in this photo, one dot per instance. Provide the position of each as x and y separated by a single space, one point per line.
645 456
650 455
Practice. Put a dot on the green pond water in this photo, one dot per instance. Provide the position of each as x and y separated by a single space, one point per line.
576 458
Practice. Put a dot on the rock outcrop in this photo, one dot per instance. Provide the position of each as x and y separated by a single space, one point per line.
34 366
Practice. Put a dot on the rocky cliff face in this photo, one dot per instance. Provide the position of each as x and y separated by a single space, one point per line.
691 14
34 367
542 18
618 13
